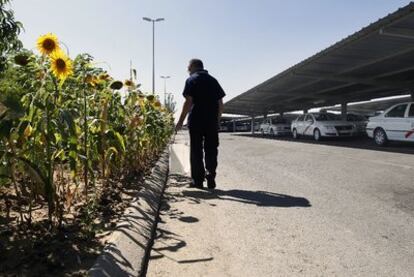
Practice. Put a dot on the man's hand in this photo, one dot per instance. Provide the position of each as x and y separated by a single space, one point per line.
178 126
186 108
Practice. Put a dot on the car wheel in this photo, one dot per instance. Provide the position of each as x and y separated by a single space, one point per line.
295 134
380 137
317 135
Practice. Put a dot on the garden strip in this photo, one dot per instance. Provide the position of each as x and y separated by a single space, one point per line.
127 249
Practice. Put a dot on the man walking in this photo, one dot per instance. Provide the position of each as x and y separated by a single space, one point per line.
204 101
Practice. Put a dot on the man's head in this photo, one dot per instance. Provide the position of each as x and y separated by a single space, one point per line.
195 65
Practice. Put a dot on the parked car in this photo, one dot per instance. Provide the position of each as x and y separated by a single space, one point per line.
320 125
223 128
396 124
360 122
275 127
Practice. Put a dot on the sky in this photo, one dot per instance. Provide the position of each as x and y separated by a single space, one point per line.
241 42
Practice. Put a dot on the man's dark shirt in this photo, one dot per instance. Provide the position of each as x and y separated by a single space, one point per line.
206 93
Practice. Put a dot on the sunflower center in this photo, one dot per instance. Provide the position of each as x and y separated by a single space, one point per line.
60 64
49 44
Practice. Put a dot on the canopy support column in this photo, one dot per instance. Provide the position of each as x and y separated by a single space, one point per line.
344 110
234 125
252 125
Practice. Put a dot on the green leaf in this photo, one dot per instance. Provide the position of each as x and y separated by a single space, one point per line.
120 141
34 171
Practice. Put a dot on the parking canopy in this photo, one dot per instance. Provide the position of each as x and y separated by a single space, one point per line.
377 61
372 106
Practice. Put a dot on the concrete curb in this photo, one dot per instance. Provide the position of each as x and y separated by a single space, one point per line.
127 251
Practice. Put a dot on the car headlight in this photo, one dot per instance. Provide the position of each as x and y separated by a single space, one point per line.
330 127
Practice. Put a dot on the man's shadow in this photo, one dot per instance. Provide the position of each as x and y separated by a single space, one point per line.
258 198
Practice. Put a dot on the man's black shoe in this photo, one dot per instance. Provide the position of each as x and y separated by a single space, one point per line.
211 183
197 185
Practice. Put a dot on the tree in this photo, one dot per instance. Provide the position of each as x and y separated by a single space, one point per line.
9 31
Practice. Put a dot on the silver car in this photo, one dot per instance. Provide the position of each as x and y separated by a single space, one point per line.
320 125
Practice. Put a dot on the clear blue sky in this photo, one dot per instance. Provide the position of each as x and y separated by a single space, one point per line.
242 42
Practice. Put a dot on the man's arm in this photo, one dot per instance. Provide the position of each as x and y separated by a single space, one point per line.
186 109
221 108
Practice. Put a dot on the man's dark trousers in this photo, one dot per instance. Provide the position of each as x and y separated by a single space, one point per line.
208 141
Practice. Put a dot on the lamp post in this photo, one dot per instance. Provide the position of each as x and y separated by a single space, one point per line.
165 87
153 48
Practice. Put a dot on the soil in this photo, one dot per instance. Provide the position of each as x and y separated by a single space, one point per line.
32 248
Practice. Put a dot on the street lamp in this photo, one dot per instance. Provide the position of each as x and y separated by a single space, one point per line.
165 87
153 48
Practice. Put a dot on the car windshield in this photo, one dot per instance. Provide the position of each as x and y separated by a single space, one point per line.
326 117
279 120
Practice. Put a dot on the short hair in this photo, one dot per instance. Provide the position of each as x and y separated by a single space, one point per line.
197 63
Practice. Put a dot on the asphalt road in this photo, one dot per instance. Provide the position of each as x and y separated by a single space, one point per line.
287 208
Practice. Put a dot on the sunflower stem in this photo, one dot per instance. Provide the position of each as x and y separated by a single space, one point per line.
85 130
49 185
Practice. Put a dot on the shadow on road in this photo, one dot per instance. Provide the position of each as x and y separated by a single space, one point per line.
166 241
354 142
258 198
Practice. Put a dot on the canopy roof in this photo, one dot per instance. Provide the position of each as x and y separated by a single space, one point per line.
372 106
377 61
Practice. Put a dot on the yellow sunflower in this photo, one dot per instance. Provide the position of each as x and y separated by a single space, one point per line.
47 44
60 65
104 77
91 80
157 104
129 83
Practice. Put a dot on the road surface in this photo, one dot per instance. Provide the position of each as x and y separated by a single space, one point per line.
286 208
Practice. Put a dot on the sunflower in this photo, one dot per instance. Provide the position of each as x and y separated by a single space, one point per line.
116 85
60 65
88 79
157 104
129 83
47 44
104 77
91 80
21 59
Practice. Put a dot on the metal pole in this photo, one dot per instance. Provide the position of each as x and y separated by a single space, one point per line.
344 111
153 56
165 90
165 87
153 48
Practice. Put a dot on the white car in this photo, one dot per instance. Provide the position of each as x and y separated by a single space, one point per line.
275 127
396 124
360 122
320 125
